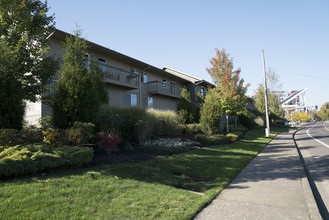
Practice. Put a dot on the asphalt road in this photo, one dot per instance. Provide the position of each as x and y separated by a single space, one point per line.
313 142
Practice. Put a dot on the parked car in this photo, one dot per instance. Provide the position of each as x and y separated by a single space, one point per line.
290 123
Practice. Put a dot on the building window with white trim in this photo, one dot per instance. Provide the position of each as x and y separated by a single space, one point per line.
148 102
130 99
102 64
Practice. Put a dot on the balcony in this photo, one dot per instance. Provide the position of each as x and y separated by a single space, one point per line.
120 77
159 88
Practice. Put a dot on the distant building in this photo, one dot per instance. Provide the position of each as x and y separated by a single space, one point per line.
293 100
129 82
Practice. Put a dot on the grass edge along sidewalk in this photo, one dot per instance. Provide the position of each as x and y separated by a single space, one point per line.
175 187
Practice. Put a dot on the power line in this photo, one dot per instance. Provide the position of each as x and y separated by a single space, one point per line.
303 75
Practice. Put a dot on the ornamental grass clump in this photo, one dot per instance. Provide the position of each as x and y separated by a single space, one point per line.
166 122
136 124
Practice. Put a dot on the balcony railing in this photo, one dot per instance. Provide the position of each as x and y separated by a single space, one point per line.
120 77
165 89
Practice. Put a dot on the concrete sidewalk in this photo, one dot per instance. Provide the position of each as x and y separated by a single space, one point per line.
272 186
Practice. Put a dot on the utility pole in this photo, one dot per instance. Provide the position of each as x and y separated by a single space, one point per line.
267 129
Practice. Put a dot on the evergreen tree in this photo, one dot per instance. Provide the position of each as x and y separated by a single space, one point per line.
211 113
80 90
197 111
185 107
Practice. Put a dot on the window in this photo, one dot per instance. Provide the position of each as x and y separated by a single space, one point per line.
86 60
164 83
130 99
172 87
102 64
144 78
134 71
134 79
202 92
148 102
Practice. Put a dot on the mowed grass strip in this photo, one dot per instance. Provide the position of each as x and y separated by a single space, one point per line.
176 187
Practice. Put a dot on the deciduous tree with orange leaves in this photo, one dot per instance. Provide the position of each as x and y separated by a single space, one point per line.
229 86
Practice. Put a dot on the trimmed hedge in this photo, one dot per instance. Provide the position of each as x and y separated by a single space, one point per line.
28 159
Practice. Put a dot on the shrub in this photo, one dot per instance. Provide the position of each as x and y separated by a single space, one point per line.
235 135
212 139
30 135
126 121
86 131
53 137
211 113
12 137
190 129
193 129
80 133
6 136
46 122
19 160
108 143
185 107
144 129
73 136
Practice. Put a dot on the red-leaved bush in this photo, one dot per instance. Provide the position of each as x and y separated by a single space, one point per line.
108 143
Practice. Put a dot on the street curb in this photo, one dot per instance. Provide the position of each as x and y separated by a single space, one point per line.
308 193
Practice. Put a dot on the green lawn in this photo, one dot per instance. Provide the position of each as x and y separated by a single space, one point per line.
176 187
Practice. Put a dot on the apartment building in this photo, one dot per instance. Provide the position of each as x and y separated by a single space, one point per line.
129 82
